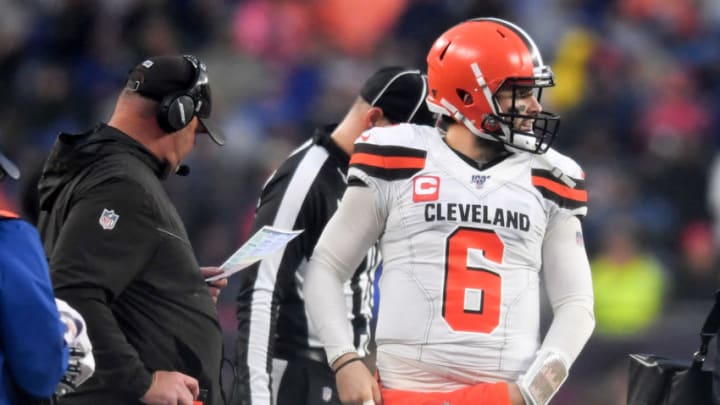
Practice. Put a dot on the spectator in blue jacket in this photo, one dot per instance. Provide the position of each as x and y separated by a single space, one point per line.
43 344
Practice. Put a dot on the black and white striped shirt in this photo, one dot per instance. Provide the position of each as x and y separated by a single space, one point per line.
303 193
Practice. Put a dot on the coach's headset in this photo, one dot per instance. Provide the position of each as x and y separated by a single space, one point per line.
177 109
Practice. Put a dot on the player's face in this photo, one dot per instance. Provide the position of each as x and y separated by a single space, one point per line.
525 103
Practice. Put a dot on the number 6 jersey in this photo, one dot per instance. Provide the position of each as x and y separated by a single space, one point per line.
462 247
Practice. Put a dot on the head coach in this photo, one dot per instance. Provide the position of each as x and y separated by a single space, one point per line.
118 250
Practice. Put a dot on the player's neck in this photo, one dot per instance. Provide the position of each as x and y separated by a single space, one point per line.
480 150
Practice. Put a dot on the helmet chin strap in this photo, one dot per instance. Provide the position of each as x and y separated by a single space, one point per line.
457 115
523 141
502 132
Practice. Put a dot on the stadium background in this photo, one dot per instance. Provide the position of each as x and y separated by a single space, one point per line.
638 90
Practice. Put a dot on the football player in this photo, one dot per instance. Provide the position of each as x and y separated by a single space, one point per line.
469 220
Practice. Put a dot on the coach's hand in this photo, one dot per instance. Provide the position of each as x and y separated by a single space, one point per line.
355 385
171 388
214 286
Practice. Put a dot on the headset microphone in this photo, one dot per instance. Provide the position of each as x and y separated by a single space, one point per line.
183 170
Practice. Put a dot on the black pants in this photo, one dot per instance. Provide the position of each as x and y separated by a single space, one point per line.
307 382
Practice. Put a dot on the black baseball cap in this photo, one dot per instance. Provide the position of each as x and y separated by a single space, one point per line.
8 168
400 92
160 76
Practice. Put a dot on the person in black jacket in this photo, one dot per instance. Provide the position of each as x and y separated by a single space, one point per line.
280 359
118 250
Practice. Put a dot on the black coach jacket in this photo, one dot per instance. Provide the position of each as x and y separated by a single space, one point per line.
120 255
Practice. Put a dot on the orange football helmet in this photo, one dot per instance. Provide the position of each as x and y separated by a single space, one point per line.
471 62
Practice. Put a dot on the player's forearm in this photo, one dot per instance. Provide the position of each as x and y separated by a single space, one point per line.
340 249
325 303
572 325
569 288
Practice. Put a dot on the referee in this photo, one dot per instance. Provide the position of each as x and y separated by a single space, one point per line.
280 359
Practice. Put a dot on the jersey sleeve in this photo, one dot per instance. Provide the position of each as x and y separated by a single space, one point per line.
384 155
561 181
387 162
116 227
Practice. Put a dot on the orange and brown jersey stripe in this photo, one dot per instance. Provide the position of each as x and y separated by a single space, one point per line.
388 162
555 190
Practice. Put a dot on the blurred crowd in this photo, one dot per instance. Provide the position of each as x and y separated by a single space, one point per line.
638 87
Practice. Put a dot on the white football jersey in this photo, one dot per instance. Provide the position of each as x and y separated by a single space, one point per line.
462 247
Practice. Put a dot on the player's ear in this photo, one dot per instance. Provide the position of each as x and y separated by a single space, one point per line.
373 117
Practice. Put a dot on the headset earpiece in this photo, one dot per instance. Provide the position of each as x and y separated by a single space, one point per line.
175 111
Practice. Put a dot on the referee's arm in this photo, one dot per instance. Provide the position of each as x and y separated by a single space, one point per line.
265 283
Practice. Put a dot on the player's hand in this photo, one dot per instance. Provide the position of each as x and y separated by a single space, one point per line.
171 388
355 385
214 286
515 395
